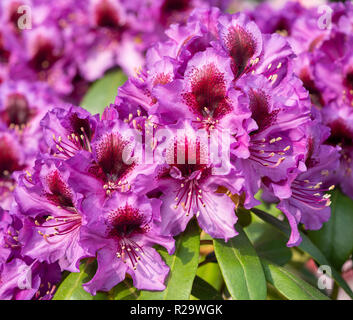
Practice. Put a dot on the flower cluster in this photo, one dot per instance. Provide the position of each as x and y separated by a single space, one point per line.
223 107
221 74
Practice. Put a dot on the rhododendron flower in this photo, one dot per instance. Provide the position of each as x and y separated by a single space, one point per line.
21 280
22 106
308 201
68 130
122 234
339 120
50 208
9 230
188 180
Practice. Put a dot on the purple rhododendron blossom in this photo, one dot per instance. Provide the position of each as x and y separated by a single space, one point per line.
51 215
21 277
122 235
308 201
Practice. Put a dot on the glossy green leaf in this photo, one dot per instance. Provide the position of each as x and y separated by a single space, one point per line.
269 242
211 273
307 246
183 265
124 291
103 92
275 251
244 217
290 286
204 291
241 267
71 288
335 238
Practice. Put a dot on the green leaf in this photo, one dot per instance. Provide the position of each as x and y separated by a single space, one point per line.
335 238
244 216
183 265
241 267
269 242
307 246
204 291
124 291
103 92
71 287
211 273
274 250
290 286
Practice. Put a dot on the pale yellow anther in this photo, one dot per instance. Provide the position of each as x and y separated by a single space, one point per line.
274 78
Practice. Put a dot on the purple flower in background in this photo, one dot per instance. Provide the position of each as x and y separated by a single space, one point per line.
339 120
9 231
11 160
333 69
72 43
122 234
276 20
22 105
